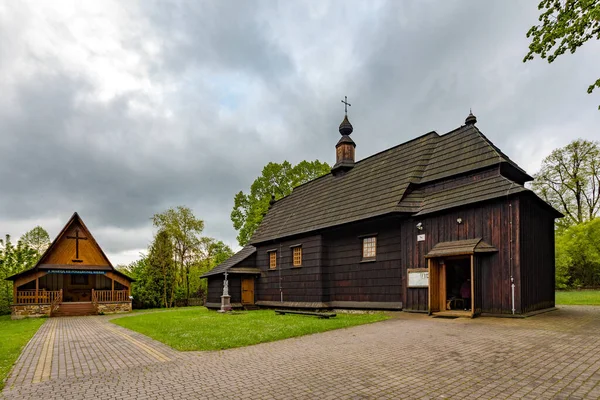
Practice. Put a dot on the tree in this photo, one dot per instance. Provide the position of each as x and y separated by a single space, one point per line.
37 239
13 259
161 261
212 253
570 181
276 180
184 229
565 25
146 288
578 255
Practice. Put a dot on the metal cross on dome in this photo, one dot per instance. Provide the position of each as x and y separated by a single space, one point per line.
346 104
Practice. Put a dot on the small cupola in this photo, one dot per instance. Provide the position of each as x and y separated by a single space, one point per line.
344 149
471 119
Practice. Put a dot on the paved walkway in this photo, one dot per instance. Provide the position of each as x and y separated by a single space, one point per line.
80 346
553 355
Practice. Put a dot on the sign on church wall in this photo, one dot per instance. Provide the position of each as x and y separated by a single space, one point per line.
418 278
75 272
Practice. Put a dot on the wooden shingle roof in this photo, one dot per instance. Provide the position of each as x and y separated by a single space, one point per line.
470 193
462 150
373 187
391 182
238 257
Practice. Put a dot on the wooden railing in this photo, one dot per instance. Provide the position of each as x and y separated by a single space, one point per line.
55 304
109 296
94 300
41 297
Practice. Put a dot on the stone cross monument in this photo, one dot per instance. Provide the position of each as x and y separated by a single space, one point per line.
225 298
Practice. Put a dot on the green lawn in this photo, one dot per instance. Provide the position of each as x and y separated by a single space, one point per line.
14 335
196 328
578 297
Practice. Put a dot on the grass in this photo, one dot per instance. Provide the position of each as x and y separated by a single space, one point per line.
196 328
14 335
578 297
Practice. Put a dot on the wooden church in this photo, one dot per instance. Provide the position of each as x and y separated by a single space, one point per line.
440 224
73 277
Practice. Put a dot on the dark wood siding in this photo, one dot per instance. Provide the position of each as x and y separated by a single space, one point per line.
537 256
374 281
293 284
490 221
215 283
215 288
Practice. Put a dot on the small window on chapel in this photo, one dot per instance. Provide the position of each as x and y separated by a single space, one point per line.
369 247
272 260
297 253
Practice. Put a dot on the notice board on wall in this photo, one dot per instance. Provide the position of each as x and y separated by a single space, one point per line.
418 278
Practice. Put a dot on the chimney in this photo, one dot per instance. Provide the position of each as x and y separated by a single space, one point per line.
344 149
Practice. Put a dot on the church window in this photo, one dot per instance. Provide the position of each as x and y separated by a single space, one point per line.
369 248
297 253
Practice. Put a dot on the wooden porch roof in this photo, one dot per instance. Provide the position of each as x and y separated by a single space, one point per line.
460 247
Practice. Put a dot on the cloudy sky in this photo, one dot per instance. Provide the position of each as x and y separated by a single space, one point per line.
119 110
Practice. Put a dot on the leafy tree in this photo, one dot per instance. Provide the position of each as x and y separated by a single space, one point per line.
13 259
276 180
37 239
161 265
578 255
212 253
570 181
184 229
565 25
146 288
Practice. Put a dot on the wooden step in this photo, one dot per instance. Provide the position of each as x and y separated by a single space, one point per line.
74 309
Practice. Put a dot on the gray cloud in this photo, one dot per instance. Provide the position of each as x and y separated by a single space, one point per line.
183 103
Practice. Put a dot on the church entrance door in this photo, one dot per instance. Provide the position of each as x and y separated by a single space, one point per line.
248 290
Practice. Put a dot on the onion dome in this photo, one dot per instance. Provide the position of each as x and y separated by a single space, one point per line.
471 119
346 127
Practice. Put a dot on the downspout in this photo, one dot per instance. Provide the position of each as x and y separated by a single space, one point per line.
280 285
510 259
510 247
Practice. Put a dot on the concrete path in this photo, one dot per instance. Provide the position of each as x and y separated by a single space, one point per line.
553 355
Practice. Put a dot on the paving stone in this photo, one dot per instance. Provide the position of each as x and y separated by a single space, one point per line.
552 355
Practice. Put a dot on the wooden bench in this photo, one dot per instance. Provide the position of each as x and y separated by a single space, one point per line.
312 313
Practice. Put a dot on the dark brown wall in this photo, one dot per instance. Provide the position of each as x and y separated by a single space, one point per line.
490 221
215 288
349 278
537 255
332 270
303 284
215 283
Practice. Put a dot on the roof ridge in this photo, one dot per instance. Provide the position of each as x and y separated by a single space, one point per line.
413 179
368 157
503 157
489 144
